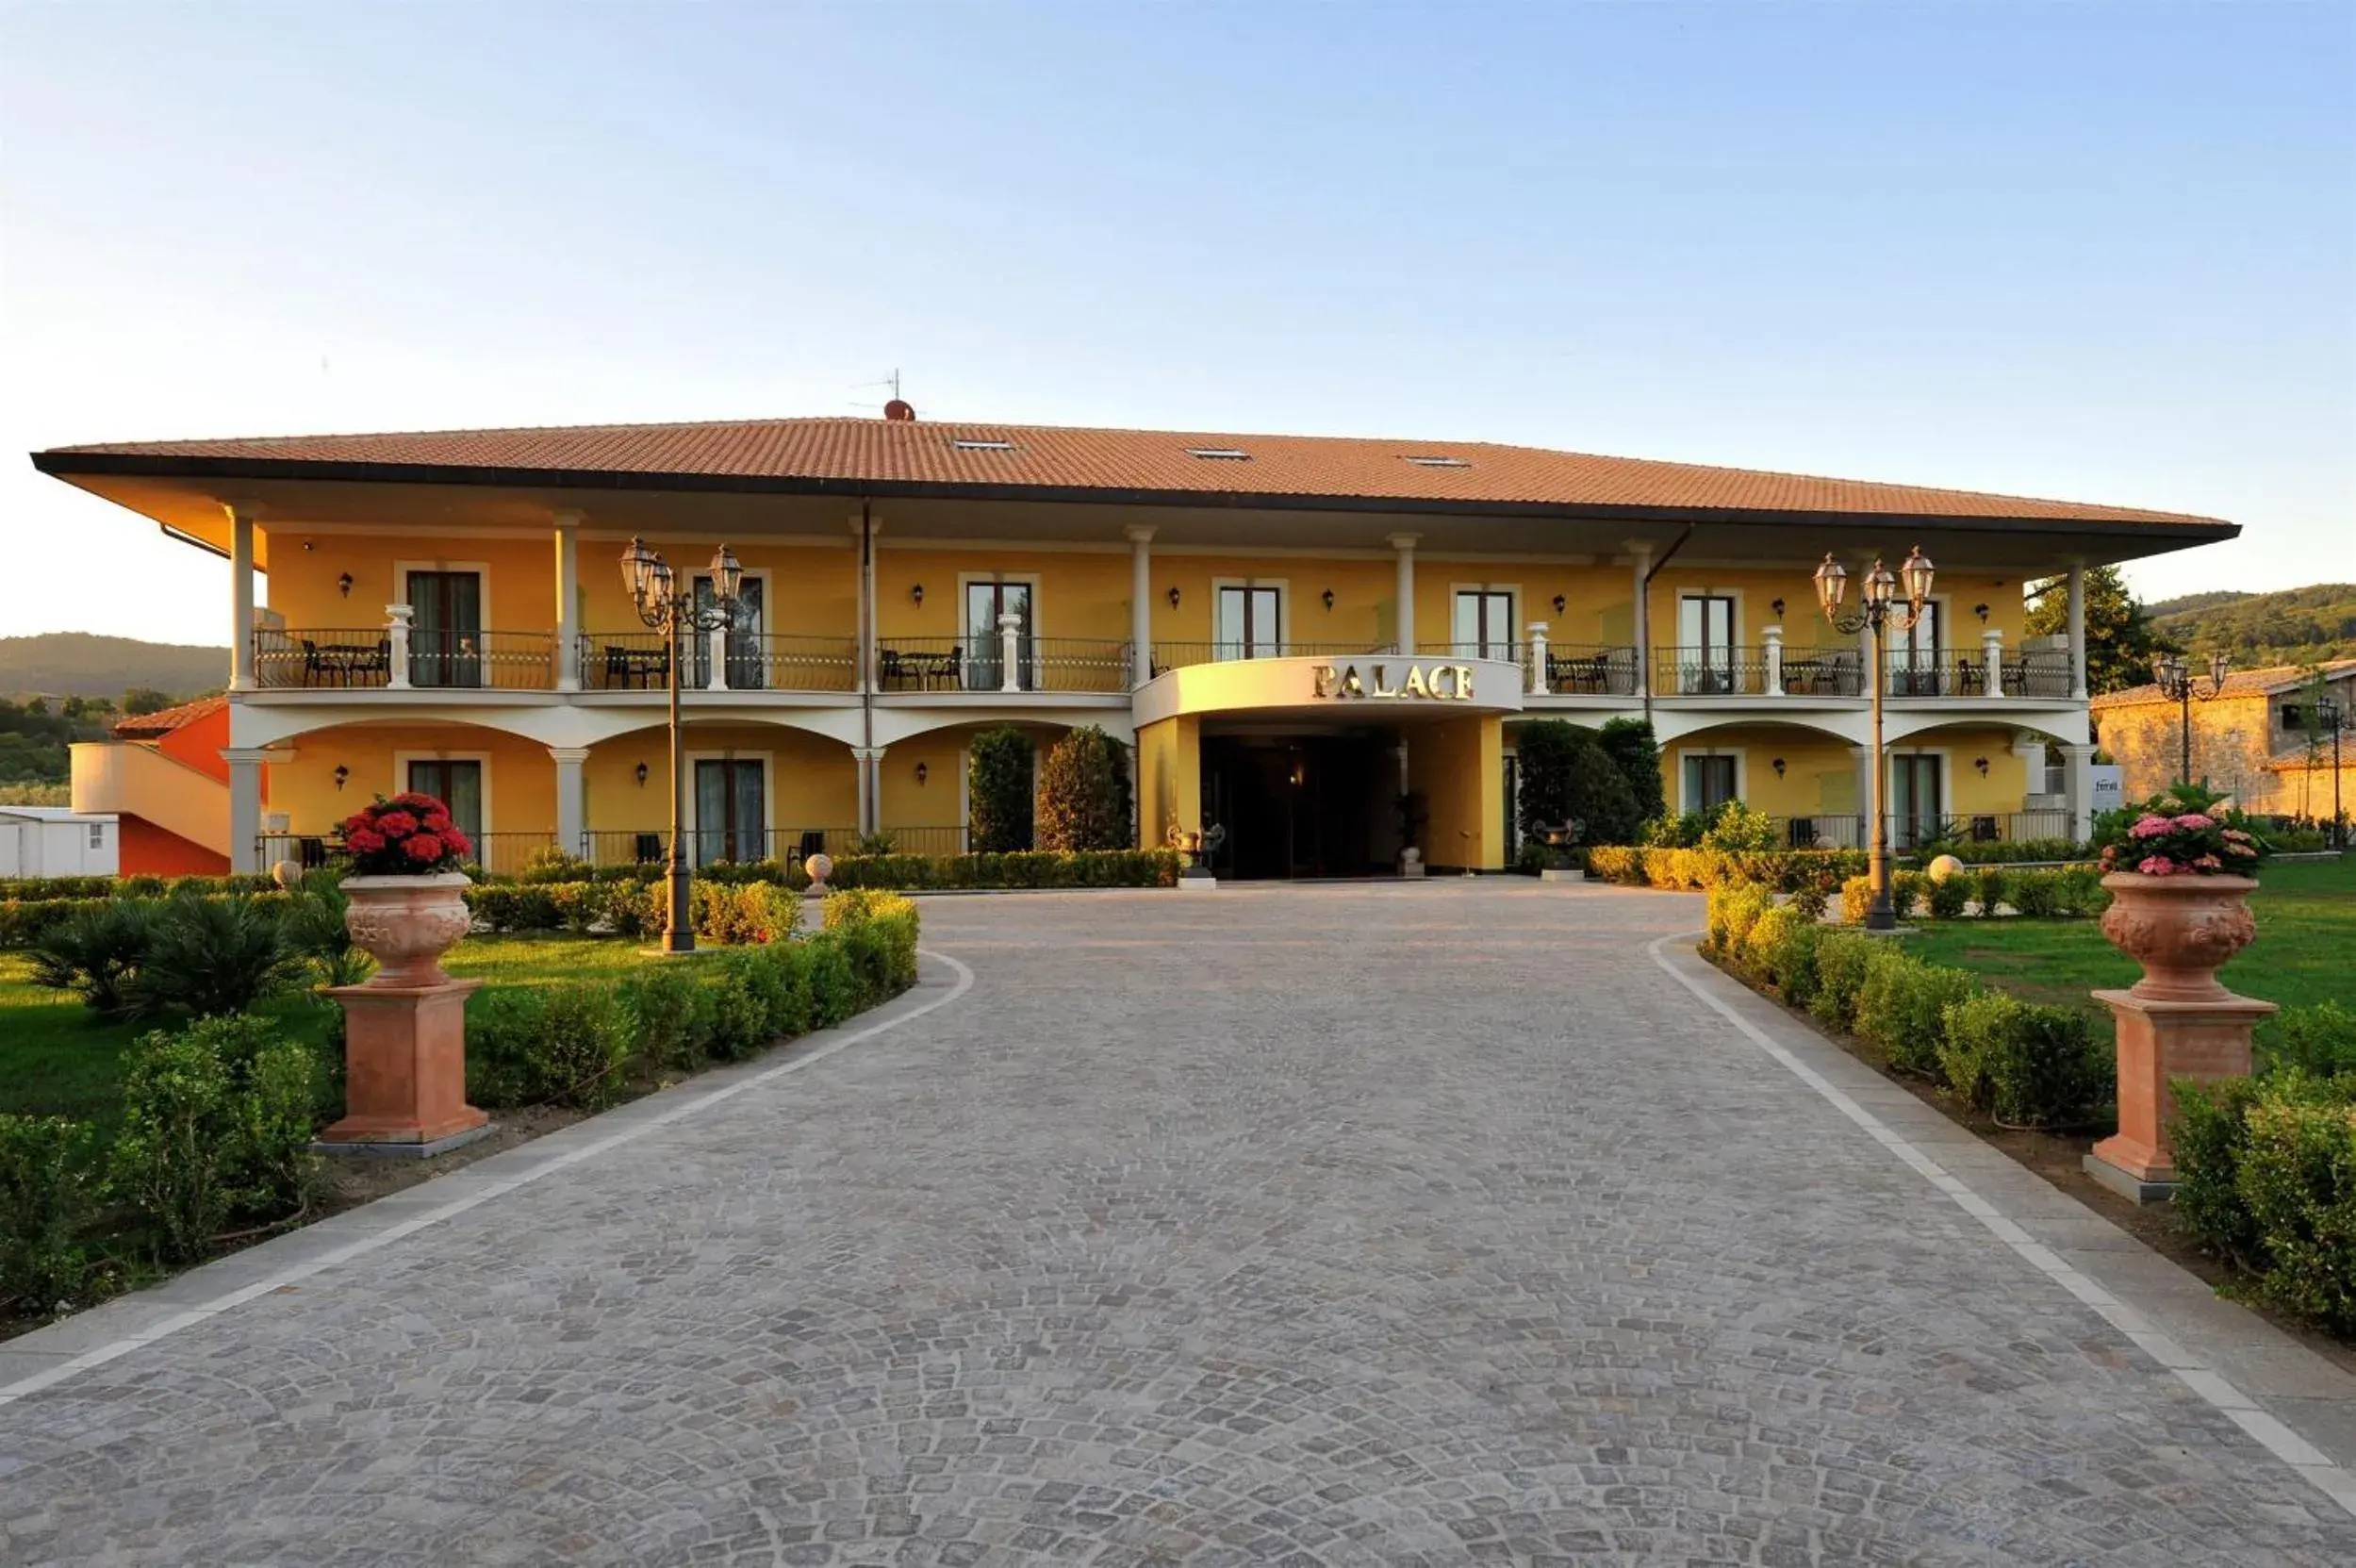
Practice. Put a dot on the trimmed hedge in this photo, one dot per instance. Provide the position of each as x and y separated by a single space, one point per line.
2267 1178
2071 891
1703 868
2027 1066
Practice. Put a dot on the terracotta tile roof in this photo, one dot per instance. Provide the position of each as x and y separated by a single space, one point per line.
2261 681
881 452
154 726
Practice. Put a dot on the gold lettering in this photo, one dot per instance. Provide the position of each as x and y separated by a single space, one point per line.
1414 687
1464 683
1325 679
1380 689
1350 686
1446 672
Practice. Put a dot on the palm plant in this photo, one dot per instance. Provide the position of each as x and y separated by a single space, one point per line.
314 928
213 956
97 954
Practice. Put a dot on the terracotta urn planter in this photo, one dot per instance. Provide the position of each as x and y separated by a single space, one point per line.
408 923
2181 929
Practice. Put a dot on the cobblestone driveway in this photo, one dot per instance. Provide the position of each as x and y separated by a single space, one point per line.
1403 1224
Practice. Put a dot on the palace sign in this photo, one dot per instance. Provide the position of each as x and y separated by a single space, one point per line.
1445 682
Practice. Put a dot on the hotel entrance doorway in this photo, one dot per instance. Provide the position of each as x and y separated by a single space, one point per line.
1302 805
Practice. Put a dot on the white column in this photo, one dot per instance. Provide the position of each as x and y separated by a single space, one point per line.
569 607
2077 764
245 806
1642 557
716 659
240 602
1992 655
869 762
1538 659
1140 605
397 643
1772 636
571 797
2078 635
1405 544
1010 652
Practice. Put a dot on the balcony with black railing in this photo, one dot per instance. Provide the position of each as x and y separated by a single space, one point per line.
981 663
730 661
366 658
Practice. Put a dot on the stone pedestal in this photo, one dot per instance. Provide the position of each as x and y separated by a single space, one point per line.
2159 1040
404 1070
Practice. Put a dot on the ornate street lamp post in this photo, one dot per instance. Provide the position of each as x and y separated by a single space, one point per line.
2333 717
1879 610
669 607
2180 688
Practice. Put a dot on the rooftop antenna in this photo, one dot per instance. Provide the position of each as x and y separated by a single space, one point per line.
892 381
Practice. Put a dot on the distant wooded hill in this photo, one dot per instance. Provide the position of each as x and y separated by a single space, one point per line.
76 663
2295 626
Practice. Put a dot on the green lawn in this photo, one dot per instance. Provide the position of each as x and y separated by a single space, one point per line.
2305 951
57 1059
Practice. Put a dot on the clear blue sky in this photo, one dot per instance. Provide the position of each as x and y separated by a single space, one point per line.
2106 253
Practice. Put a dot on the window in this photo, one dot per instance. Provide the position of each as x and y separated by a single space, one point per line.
457 786
1484 625
1914 662
1224 453
1710 781
747 668
985 653
98 835
730 815
446 629
1917 811
1706 643
963 445
1440 462
1251 619
2294 717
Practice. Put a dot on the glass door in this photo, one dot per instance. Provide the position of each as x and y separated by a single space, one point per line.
1251 622
1914 656
1484 625
1705 644
457 786
1916 811
1710 783
445 629
985 655
732 819
746 668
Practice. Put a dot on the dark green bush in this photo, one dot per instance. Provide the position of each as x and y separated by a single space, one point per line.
2026 1065
211 957
669 1026
46 1185
1630 745
999 783
2209 1136
96 953
1566 778
547 1044
1901 1006
2298 1177
2319 1041
1084 794
1947 897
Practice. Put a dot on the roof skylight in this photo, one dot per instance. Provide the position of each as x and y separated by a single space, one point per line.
964 444
1440 462
1225 454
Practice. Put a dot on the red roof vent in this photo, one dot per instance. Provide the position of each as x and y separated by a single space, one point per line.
899 408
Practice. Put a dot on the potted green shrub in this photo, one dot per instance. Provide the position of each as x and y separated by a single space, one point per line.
406 897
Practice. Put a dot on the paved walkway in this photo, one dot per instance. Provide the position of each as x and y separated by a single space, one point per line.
1398 1223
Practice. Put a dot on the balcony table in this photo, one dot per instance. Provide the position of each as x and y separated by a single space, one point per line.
636 669
342 664
904 670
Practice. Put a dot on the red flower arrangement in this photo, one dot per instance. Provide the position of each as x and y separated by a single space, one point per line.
409 835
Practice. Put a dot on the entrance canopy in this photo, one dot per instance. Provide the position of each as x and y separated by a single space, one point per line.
1359 688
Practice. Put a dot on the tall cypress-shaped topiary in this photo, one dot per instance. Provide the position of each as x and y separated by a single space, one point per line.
1566 776
1085 793
997 789
1630 745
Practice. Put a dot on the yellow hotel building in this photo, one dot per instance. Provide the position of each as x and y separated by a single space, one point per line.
1290 631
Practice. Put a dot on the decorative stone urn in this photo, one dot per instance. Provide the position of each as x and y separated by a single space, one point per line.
2181 929
408 923
2176 1022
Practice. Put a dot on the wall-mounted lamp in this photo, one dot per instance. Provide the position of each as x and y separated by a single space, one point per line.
1174 598
343 585
642 775
923 772
916 594
342 773
1559 603
1778 607
1982 611
1328 598
1778 766
1982 763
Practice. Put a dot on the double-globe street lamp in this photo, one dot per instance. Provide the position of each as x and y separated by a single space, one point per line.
1880 611
2180 688
669 606
2331 716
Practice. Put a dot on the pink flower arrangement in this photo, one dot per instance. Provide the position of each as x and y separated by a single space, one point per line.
2183 832
408 835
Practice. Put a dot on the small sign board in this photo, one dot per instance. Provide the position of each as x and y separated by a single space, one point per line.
2109 786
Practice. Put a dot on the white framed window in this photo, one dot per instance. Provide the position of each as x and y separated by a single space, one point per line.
1249 618
1706 779
1484 623
1707 626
